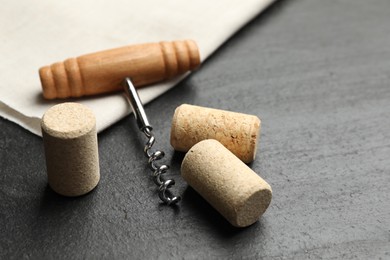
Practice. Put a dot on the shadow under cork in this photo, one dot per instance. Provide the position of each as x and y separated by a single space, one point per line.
59 217
53 203
176 160
199 208
54 206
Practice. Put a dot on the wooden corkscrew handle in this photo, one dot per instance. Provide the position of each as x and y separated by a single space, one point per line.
103 72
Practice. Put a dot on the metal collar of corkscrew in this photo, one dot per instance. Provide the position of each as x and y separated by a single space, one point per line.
144 126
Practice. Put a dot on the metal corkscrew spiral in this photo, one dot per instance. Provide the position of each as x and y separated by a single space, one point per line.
143 124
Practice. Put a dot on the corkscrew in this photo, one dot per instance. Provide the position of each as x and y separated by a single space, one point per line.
144 126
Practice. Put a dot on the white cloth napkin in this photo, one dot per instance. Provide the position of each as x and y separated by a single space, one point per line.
37 33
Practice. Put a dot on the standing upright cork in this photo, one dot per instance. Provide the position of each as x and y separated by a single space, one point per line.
237 132
227 183
103 72
71 150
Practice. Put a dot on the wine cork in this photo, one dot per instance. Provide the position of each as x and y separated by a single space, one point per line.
103 72
228 184
237 132
71 149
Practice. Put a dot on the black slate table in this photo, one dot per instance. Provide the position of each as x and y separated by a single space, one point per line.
317 73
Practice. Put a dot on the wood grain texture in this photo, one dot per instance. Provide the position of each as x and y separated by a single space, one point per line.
103 72
316 73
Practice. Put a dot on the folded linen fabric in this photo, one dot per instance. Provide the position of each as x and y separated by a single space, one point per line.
42 32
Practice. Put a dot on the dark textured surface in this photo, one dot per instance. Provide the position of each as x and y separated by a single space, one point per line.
316 73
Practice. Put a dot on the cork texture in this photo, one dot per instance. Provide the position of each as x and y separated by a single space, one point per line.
236 131
227 183
71 149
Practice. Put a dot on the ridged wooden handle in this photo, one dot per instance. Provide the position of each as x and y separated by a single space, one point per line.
103 72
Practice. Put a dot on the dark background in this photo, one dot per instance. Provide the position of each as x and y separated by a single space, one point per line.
316 73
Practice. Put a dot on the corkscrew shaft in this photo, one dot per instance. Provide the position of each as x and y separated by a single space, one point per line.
143 124
136 105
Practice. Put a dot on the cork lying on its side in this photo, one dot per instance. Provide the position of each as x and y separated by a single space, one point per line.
71 150
227 183
237 132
